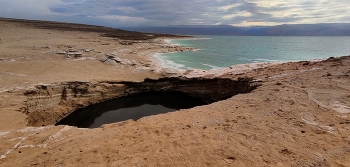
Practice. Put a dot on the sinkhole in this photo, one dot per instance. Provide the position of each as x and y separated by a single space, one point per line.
134 107
59 103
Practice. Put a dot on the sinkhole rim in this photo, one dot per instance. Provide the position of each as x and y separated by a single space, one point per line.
47 105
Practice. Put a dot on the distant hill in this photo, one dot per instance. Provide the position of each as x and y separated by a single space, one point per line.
310 30
191 30
105 31
325 29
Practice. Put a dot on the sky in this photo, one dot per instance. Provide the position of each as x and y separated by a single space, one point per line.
122 13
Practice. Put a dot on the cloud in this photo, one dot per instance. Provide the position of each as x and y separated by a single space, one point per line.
301 11
238 14
118 13
228 7
28 6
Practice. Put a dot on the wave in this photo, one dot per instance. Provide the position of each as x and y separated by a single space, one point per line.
197 38
265 60
171 41
166 63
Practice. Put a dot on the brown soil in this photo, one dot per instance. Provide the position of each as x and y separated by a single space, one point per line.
298 116
103 31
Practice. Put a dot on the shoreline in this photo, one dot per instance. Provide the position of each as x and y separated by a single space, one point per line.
169 63
234 69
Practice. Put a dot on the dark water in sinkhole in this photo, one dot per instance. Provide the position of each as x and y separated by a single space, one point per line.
133 107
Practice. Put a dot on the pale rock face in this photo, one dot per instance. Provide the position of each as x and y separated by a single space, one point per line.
61 52
75 54
103 59
110 62
88 50
112 59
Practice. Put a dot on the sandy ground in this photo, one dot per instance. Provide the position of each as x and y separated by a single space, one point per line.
299 116
28 57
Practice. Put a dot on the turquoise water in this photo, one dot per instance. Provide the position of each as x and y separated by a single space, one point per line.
223 51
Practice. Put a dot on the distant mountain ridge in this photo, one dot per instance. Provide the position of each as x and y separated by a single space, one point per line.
324 29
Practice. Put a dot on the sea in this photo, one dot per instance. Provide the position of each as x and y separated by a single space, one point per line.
215 52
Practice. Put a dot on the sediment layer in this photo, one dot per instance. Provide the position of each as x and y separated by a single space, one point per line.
47 104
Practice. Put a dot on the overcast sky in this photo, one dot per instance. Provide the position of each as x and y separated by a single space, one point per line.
121 13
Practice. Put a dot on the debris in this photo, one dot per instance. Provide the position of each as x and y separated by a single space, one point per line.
126 42
61 52
88 50
75 54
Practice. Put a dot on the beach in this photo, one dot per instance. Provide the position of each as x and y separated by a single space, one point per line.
277 114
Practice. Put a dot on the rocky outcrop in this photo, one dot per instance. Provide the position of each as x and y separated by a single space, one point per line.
88 50
175 48
71 53
112 59
47 104
74 54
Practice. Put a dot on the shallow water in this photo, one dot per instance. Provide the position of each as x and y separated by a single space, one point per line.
129 107
223 51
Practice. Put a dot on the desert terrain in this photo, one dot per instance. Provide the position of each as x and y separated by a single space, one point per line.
268 114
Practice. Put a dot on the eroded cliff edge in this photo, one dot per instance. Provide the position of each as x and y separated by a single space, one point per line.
299 116
47 104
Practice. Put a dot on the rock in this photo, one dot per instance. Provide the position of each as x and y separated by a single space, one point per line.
188 71
75 54
72 50
125 62
88 50
117 59
110 62
175 48
305 63
141 69
133 63
126 42
168 71
111 56
103 59
61 52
